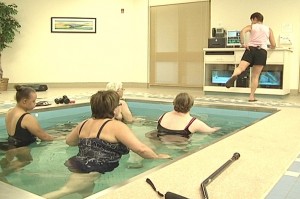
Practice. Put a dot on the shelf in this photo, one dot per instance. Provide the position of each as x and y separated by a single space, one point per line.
226 59
266 91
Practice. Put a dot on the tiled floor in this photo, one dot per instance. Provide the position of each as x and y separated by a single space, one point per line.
288 186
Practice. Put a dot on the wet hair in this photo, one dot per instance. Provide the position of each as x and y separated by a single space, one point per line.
103 104
259 17
115 86
183 102
23 92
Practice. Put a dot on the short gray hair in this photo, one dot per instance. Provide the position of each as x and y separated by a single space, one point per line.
115 86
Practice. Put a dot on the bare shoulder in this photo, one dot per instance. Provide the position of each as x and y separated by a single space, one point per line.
197 122
29 116
123 102
28 119
116 124
12 111
247 28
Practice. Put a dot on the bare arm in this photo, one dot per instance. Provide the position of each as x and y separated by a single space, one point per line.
243 33
126 113
124 135
199 126
73 137
272 39
34 127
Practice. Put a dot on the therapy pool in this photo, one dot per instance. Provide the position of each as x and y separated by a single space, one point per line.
47 172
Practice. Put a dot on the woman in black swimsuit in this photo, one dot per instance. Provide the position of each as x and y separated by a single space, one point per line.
179 125
102 140
22 129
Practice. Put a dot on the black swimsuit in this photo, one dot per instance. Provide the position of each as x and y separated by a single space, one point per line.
96 155
22 137
161 131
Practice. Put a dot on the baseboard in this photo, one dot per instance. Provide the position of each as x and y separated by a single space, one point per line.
294 92
83 85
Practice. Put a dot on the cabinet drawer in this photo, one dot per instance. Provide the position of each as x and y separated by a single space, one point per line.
238 56
219 58
275 57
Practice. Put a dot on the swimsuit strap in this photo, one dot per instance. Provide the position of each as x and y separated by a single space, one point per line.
21 118
82 126
189 124
161 118
102 127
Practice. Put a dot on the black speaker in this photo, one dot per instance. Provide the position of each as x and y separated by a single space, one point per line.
213 32
37 87
243 79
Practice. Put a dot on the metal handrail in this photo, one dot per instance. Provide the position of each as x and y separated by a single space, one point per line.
215 174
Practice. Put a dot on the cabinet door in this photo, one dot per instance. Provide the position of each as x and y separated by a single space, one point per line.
238 56
275 57
217 74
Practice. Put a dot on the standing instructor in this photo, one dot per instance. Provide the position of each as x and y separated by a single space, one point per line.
255 54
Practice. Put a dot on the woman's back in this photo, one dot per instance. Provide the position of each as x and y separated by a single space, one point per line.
175 121
98 151
259 35
11 119
91 128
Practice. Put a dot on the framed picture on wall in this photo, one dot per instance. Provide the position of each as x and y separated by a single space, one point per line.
73 25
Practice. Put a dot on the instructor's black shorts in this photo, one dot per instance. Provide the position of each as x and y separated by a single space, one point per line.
255 56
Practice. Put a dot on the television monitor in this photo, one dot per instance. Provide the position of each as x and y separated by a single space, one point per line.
233 38
270 79
220 77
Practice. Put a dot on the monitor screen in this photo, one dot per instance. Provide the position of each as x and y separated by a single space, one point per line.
233 38
270 79
220 76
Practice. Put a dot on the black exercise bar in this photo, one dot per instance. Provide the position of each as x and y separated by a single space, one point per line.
216 173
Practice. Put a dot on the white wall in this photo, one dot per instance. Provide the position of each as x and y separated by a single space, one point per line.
167 2
118 51
282 16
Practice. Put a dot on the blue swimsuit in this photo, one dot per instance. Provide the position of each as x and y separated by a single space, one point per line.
96 155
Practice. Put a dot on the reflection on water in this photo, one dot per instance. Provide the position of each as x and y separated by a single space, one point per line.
47 172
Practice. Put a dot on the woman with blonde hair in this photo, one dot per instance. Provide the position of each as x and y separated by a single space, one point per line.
125 115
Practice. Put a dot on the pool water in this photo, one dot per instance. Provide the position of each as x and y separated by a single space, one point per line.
47 172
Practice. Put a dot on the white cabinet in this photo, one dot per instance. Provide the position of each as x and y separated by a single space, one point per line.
220 57
219 64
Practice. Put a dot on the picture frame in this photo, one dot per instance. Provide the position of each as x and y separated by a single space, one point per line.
73 25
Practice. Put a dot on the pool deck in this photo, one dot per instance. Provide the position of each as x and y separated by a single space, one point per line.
269 150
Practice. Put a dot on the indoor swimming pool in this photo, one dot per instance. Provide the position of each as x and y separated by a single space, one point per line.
47 172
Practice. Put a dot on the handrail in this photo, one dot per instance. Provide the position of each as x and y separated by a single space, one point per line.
215 174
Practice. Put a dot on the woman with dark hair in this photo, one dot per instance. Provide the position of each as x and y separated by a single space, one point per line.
23 129
102 140
255 54
21 126
179 122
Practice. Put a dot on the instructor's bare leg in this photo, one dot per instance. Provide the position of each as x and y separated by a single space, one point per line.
237 71
255 73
